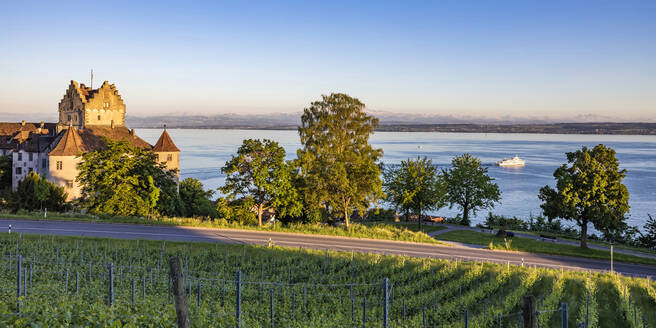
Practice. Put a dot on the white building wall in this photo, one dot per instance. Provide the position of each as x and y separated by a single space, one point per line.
23 163
62 171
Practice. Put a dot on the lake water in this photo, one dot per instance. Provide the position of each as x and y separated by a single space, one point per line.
203 152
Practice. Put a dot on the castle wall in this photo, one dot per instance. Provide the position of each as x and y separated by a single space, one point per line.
22 164
71 108
171 159
105 108
62 171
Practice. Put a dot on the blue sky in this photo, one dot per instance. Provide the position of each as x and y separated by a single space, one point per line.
489 58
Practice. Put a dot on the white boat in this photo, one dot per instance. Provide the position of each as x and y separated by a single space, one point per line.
515 161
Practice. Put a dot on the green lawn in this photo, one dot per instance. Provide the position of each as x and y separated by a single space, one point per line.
424 227
535 246
595 242
372 231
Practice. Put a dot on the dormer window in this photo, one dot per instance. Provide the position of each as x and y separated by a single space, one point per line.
106 105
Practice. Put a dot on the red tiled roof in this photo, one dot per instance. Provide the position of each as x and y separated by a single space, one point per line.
91 138
70 144
165 144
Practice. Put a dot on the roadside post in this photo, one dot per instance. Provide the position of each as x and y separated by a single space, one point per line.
611 258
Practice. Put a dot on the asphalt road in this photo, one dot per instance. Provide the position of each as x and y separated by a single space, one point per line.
230 236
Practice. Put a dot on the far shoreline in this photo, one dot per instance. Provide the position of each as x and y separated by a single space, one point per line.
609 128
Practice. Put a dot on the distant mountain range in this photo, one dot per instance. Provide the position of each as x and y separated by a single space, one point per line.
582 124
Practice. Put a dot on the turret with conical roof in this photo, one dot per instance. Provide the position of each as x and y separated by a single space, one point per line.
167 152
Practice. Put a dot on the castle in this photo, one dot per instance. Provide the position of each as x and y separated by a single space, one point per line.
86 116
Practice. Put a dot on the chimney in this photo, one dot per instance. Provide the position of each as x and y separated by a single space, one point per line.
112 124
132 132
23 123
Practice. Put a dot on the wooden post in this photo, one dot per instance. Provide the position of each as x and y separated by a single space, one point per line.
181 310
529 310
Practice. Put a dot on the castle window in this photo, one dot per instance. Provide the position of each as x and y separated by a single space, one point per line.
106 105
19 170
30 156
98 117
169 157
69 117
44 163
60 165
20 156
69 183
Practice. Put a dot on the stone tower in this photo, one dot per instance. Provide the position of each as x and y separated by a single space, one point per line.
167 152
83 106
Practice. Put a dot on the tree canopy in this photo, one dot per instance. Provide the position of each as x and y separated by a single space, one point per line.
195 199
259 171
648 237
127 181
414 186
589 189
469 187
338 165
35 192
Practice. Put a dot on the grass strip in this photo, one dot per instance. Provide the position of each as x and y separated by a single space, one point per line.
536 246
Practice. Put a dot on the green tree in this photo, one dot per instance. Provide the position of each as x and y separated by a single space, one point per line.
125 180
338 165
414 186
589 189
35 192
469 187
259 171
195 199
237 210
5 172
648 238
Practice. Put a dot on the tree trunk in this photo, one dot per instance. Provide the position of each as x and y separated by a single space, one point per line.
260 209
419 217
584 234
465 214
346 218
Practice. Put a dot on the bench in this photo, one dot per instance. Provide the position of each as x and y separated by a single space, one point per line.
550 238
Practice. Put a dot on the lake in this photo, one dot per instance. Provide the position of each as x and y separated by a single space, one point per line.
203 152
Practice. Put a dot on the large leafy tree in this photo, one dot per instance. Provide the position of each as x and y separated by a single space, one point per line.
469 186
414 186
589 189
126 180
35 192
196 200
338 165
259 171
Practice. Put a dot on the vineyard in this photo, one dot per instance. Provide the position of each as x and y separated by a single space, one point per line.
87 282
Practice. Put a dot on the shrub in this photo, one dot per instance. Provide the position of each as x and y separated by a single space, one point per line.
505 222
381 214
